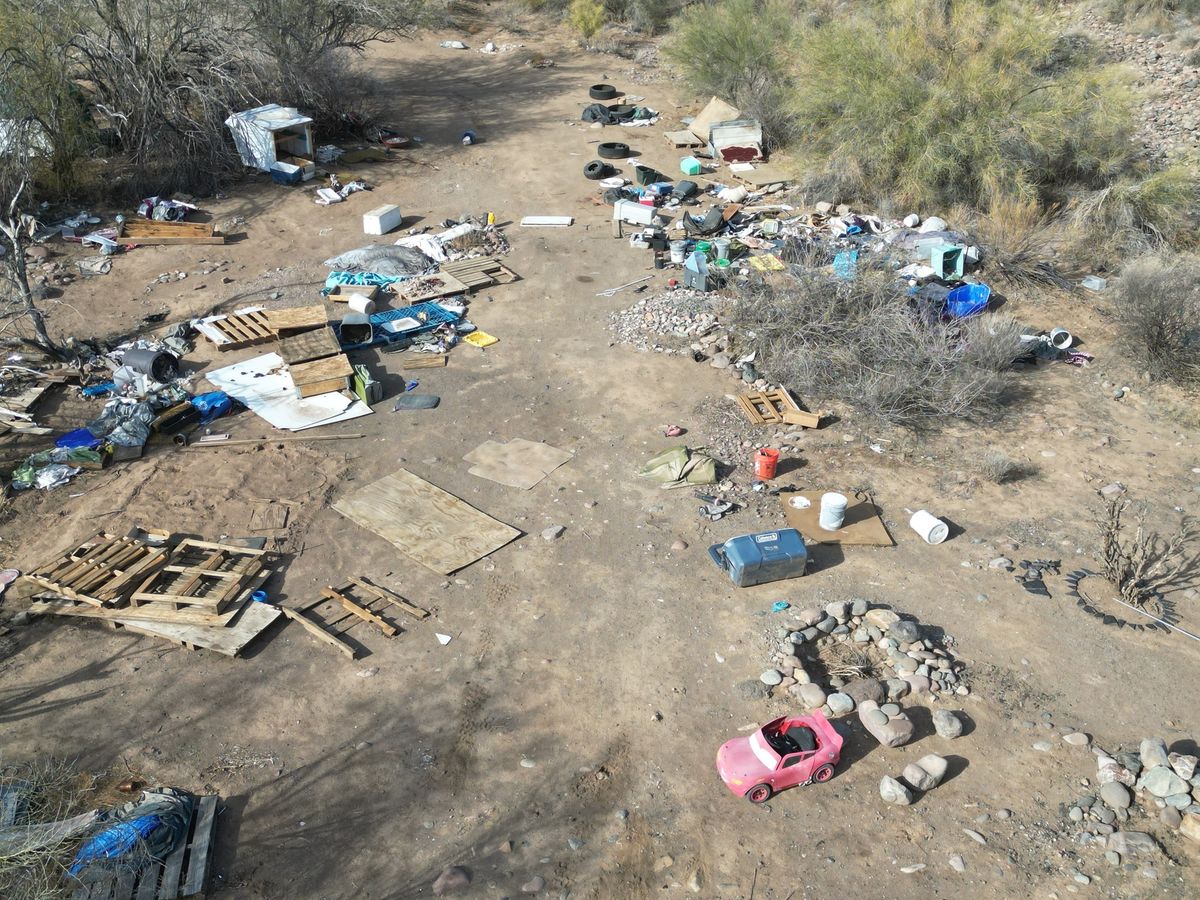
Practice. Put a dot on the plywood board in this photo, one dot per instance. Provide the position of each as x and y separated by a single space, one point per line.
148 232
717 110
228 641
316 344
518 463
433 527
761 176
299 318
862 525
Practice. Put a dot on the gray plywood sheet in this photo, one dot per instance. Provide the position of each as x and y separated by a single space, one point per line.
229 640
519 463
435 528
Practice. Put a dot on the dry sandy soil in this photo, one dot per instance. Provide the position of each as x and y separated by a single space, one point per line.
604 659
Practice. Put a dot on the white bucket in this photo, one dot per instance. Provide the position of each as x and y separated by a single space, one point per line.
360 303
1061 339
721 245
931 529
678 251
833 511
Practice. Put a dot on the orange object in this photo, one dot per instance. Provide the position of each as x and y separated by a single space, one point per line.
765 461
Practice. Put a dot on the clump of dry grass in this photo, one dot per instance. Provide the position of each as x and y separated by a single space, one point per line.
33 855
1157 303
1000 468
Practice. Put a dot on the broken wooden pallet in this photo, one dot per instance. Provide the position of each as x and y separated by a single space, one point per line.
149 232
347 608
200 578
309 345
243 329
481 272
297 319
427 287
184 873
100 571
775 407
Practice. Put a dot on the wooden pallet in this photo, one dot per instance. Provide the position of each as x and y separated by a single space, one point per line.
296 319
100 571
428 287
482 272
347 608
308 345
341 293
201 579
149 232
775 407
244 330
321 376
184 873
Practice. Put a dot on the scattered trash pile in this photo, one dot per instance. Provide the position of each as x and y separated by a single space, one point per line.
1149 782
159 845
849 652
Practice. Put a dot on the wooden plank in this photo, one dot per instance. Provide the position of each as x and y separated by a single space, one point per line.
242 551
425 361
317 631
145 612
299 318
428 287
228 641
173 864
123 885
148 886
802 418
434 527
200 856
243 330
309 345
147 232
318 370
383 594
362 612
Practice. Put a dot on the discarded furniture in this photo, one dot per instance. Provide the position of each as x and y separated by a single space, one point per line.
382 219
273 133
775 407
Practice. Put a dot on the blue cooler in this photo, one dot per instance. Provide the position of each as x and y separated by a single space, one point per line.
760 558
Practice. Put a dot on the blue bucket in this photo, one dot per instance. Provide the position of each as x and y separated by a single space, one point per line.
967 300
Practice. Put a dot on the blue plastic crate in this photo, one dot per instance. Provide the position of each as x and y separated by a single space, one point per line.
434 314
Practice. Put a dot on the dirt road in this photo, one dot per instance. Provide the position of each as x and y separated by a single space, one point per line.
577 710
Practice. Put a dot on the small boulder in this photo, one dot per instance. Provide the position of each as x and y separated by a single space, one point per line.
812 695
1115 795
827 624
1190 826
810 617
451 880
840 610
866 689
1077 739
840 704
897 688
1171 817
554 532
947 724
904 631
893 731
534 885
1153 752
892 791
859 607
880 618
1131 843
1182 765
1162 782
926 773
771 677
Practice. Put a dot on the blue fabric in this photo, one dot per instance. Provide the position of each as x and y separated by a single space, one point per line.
78 438
212 405
358 279
115 841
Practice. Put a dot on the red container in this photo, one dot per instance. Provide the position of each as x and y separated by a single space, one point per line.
765 461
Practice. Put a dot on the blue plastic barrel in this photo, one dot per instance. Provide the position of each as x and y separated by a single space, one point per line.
967 300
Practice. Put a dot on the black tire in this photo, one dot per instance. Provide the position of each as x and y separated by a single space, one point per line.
612 150
602 92
597 169
622 110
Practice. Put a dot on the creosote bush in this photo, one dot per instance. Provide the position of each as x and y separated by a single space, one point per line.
865 342
1157 303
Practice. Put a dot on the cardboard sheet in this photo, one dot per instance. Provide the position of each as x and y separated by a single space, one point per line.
431 526
862 525
265 387
519 463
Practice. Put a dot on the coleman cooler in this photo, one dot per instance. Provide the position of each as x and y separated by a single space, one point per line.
759 558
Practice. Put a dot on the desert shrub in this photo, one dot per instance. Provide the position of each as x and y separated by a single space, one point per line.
866 343
1152 14
586 16
1157 302
998 467
647 16
1020 241
741 50
1140 563
1136 213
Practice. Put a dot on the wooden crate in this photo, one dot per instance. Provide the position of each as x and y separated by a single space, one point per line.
308 345
243 330
184 873
775 407
321 376
100 571
149 232
200 578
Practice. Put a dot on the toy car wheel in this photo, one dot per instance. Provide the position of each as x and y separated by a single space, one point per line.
612 150
602 92
824 773
760 793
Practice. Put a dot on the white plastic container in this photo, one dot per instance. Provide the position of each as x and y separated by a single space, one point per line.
361 304
633 213
678 252
382 219
833 511
931 529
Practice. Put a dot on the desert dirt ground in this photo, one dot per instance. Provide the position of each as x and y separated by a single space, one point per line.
605 660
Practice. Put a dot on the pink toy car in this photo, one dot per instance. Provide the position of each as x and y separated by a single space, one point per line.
782 754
